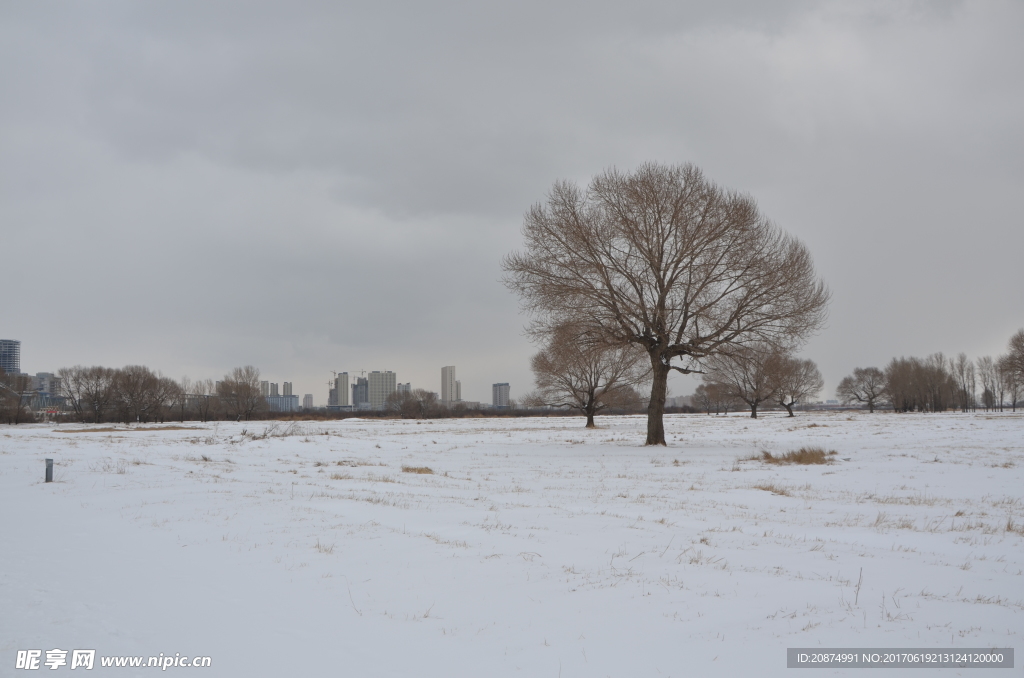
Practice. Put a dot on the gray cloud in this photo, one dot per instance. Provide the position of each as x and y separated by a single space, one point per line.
314 186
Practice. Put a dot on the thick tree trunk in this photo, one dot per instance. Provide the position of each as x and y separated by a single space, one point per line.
753 411
656 408
590 420
789 408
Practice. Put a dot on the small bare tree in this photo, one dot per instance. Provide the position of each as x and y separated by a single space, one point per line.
712 397
963 378
1013 383
866 385
1015 357
748 373
14 398
578 371
182 397
205 396
986 371
797 381
665 260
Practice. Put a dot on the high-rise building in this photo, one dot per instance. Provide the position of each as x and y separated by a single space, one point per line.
360 393
404 388
341 386
264 388
499 395
307 401
273 390
286 388
449 386
381 385
10 356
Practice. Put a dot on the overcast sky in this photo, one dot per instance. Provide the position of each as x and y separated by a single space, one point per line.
317 186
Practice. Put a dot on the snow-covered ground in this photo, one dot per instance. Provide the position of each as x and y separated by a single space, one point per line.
536 548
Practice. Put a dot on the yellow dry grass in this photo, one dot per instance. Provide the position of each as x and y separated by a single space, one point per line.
805 455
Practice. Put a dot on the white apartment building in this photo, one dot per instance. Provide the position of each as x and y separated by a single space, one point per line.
499 395
307 401
286 388
381 385
280 403
344 396
451 389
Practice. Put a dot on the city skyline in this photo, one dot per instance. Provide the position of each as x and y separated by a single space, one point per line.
10 355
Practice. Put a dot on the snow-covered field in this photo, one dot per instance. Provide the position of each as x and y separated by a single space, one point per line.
536 548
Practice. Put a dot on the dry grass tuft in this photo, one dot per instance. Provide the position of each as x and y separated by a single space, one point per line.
805 455
418 469
773 488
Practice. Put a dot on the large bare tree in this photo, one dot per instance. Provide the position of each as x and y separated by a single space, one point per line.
240 392
89 390
582 372
866 385
664 259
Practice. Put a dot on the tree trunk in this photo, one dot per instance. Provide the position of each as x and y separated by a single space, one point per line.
590 420
656 408
753 410
789 408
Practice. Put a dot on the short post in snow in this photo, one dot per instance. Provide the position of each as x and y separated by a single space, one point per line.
49 470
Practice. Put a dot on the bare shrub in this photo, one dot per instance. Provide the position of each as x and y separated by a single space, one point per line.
805 455
418 469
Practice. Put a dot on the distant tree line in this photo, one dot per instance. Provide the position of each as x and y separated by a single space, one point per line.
937 383
137 394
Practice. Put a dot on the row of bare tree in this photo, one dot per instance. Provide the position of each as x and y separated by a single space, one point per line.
937 383
137 394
